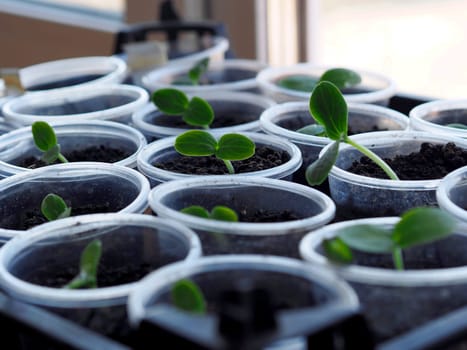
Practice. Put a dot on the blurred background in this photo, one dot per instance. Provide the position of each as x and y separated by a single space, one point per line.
421 44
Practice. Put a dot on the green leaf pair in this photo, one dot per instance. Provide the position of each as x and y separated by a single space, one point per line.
195 111
46 141
229 147
341 77
417 226
219 212
329 109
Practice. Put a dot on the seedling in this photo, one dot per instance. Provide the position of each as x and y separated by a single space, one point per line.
187 296
219 212
46 141
229 147
417 226
329 109
195 111
89 262
341 77
198 112
53 207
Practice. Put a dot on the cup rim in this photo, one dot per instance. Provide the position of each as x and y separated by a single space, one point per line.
391 137
373 275
269 118
145 167
86 127
442 193
265 82
138 205
326 214
155 281
49 296
46 97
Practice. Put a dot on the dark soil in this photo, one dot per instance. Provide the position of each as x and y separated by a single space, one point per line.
222 120
261 215
65 82
431 162
34 218
90 154
264 158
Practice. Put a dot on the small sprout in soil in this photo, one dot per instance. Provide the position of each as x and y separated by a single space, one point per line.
46 141
329 109
457 126
195 111
417 226
198 70
53 207
89 262
230 147
187 296
219 212
341 77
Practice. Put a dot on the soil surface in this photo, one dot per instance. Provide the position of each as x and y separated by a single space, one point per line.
431 162
65 82
261 215
90 154
264 158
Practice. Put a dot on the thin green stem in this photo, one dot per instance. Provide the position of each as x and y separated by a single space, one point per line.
61 158
374 157
398 259
229 166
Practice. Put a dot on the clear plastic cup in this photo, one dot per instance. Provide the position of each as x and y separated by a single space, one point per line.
394 302
19 144
108 187
35 266
284 119
435 116
228 105
164 149
289 282
227 75
302 209
374 88
101 102
452 195
72 73
361 196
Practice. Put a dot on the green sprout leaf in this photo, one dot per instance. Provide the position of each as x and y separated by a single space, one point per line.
196 143
329 109
195 112
198 70
170 101
368 238
201 143
196 210
298 82
198 113
46 141
187 296
313 129
337 251
89 263
235 147
422 225
53 207
318 171
341 77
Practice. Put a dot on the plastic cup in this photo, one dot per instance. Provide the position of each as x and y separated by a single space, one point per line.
452 195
